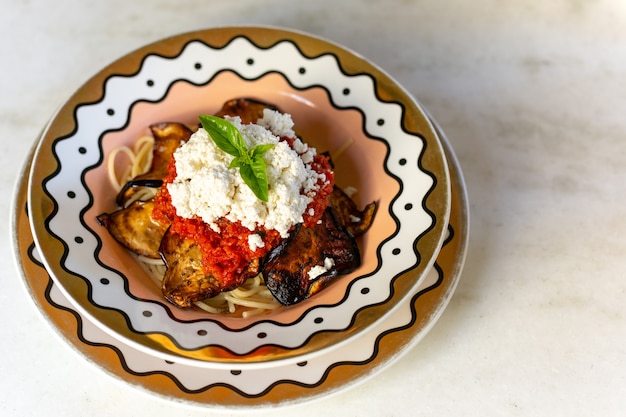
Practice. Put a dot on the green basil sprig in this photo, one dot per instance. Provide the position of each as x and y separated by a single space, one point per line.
249 161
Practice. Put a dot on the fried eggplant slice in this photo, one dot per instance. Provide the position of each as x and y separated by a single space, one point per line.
135 229
356 221
185 281
167 138
250 110
291 269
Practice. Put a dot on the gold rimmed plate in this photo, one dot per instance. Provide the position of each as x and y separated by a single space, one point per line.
233 388
334 96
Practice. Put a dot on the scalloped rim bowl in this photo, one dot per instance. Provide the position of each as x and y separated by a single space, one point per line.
334 96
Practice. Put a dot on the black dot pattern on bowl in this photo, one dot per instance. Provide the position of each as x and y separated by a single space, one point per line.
150 83
82 150
235 372
318 320
346 91
365 290
104 281
250 61
302 364
202 332
302 70
169 362
380 122
408 206
396 251
147 313
197 65
402 161
78 239
71 194
261 335
110 112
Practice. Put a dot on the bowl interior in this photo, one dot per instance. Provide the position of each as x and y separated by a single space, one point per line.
319 123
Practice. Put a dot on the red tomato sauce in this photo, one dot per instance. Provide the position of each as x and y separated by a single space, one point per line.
226 254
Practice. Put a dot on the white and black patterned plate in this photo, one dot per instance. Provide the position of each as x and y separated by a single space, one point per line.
334 96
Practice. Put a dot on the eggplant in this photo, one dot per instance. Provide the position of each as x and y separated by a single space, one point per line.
185 281
135 228
356 221
168 136
131 187
289 268
248 109
329 247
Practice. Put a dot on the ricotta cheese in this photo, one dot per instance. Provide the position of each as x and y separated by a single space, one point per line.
255 241
205 187
318 270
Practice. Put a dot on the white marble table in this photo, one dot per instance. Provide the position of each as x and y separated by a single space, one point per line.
532 96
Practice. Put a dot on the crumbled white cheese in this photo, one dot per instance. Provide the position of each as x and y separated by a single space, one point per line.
318 270
205 187
280 124
255 241
354 219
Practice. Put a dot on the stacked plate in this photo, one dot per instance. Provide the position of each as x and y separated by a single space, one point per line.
102 301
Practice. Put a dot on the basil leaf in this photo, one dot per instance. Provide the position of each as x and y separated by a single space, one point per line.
257 183
260 173
238 162
258 168
224 134
259 150
250 162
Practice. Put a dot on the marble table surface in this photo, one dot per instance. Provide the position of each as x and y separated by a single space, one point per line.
532 96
